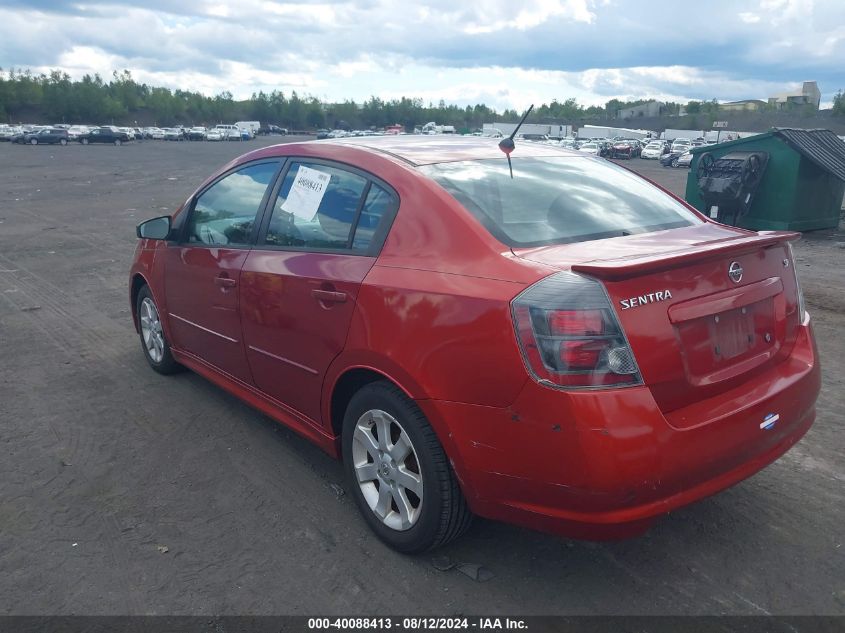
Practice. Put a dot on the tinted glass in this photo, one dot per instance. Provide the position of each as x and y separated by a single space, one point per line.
296 224
225 213
375 208
558 200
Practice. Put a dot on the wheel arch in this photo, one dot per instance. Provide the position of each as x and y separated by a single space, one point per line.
138 282
346 385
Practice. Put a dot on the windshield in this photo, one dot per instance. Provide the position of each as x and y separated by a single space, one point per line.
558 200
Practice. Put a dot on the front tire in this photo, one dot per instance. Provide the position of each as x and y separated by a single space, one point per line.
398 472
675 162
33 141
153 342
84 141
117 142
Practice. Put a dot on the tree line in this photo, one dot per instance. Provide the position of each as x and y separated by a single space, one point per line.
56 98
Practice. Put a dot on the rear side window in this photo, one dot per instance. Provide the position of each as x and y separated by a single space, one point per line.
224 214
316 207
376 206
558 200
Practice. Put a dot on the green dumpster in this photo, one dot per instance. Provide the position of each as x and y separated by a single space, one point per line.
803 184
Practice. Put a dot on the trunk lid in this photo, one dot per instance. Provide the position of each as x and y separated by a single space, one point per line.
695 329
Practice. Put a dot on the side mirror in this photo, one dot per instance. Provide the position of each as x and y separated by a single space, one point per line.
155 229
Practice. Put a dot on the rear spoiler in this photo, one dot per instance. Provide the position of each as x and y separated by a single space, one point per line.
626 267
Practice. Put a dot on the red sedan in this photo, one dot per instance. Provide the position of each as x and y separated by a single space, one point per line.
568 348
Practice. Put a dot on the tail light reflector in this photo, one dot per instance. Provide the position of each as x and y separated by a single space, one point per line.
569 334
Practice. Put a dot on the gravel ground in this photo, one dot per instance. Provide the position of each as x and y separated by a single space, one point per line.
125 492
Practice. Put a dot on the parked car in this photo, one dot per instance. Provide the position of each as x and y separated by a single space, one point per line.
567 348
174 134
75 131
213 135
684 160
7 132
653 150
45 136
671 159
322 134
621 149
590 148
104 135
229 132
681 145
196 134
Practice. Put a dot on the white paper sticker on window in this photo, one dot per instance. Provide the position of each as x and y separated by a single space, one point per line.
714 211
306 193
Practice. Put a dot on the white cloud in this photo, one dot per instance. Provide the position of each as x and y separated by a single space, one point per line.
503 53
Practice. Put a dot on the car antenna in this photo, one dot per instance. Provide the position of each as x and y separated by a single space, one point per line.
507 145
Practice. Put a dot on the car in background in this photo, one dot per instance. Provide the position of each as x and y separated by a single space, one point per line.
684 160
44 136
590 148
213 135
174 134
653 150
75 131
8 132
681 145
323 134
565 346
129 131
539 138
106 135
621 149
228 132
671 159
197 133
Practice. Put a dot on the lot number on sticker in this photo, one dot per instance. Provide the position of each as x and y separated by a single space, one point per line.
306 193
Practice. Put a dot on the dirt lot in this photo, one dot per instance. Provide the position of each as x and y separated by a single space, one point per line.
125 492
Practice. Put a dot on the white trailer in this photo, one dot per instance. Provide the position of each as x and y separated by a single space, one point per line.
251 126
596 131
671 135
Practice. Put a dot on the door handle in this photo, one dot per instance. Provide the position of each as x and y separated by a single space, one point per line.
329 296
225 282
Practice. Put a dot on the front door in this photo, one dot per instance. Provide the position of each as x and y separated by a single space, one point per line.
300 283
203 271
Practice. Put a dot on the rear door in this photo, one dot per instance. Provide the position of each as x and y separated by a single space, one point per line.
321 235
202 271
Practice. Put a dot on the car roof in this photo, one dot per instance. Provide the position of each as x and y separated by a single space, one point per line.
431 149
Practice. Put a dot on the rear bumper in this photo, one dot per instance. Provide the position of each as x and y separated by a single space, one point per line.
605 464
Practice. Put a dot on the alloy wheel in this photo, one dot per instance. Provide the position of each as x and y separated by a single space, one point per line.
387 469
151 331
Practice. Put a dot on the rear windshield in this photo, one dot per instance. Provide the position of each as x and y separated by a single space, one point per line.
558 200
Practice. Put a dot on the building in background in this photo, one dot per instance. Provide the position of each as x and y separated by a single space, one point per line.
652 109
746 105
809 95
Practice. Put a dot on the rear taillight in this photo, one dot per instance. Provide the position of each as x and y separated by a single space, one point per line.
569 334
802 309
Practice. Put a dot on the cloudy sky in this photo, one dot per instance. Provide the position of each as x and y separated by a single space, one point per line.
505 53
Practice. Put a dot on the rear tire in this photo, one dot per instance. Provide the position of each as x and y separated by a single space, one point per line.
33 141
84 141
423 506
62 141
153 341
117 142
674 162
